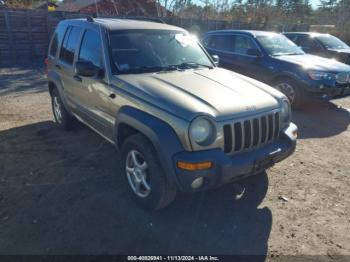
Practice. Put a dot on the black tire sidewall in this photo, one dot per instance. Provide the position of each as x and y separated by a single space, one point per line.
299 97
158 181
66 122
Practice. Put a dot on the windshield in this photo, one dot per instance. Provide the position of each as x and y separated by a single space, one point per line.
331 42
139 51
275 45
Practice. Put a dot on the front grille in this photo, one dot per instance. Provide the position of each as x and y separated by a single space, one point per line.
249 133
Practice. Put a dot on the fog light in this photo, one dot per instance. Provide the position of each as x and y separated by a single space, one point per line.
197 183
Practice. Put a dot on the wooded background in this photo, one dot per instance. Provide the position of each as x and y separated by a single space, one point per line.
25 32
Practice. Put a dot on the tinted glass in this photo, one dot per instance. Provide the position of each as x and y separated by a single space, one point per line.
332 42
70 44
294 38
242 44
276 44
220 42
309 43
136 50
91 48
57 39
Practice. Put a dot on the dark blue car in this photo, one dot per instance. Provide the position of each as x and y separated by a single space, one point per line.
324 45
274 59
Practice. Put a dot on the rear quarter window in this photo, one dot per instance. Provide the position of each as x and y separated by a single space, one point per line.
56 39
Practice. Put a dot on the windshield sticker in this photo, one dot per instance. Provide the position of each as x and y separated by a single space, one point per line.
185 40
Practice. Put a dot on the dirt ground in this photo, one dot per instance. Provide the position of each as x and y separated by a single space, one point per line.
63 193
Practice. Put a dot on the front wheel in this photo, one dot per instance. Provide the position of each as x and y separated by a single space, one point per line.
290 89
148 184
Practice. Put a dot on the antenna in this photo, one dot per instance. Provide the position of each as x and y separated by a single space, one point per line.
89 19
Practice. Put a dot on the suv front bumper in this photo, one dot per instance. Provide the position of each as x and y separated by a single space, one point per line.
313 90
228 168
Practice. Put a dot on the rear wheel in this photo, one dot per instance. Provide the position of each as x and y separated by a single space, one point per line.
290 89
148 184
63 119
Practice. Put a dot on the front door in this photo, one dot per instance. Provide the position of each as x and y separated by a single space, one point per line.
99 97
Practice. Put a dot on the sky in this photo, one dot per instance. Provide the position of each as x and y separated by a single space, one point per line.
315 3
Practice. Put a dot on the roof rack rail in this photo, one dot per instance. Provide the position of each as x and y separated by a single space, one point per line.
144 18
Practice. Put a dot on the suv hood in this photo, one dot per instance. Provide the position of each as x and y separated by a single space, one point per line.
217 92
315 62
341 51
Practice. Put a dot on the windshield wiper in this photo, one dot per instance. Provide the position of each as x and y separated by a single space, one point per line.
279 54
192 65
148 69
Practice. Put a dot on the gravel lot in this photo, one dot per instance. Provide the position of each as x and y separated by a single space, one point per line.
62 192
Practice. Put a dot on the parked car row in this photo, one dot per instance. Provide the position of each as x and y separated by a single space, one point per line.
180 122
273 59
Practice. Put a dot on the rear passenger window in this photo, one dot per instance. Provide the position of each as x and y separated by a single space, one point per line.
70 44
57 39
91 48
220 42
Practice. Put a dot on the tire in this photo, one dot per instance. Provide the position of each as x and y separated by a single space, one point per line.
63 119
160 193
286 85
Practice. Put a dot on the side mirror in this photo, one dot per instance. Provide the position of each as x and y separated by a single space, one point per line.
254 52
216 59
86 68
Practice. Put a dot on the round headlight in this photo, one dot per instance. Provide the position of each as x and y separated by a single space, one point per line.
285 111
202 131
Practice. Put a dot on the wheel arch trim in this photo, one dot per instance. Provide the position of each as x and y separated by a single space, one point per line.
161 135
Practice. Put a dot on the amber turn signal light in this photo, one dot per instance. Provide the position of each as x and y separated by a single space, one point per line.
194 166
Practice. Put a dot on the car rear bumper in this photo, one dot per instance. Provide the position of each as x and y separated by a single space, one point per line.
228 168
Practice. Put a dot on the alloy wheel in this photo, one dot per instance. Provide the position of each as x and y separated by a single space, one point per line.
136 171
288 90
57 109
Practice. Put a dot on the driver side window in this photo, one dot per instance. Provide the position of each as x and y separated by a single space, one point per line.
309 44
243 44
91 49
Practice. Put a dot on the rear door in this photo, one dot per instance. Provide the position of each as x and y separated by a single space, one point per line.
65 67
220 45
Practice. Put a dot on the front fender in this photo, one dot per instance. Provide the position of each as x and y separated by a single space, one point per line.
161 134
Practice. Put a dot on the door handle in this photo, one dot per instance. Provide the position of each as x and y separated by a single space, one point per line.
112 95
77 78
58 66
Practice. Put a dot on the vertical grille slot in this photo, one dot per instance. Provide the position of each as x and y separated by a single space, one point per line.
247 134
263 129
277 125
227 138
270 125
238 136
255 131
